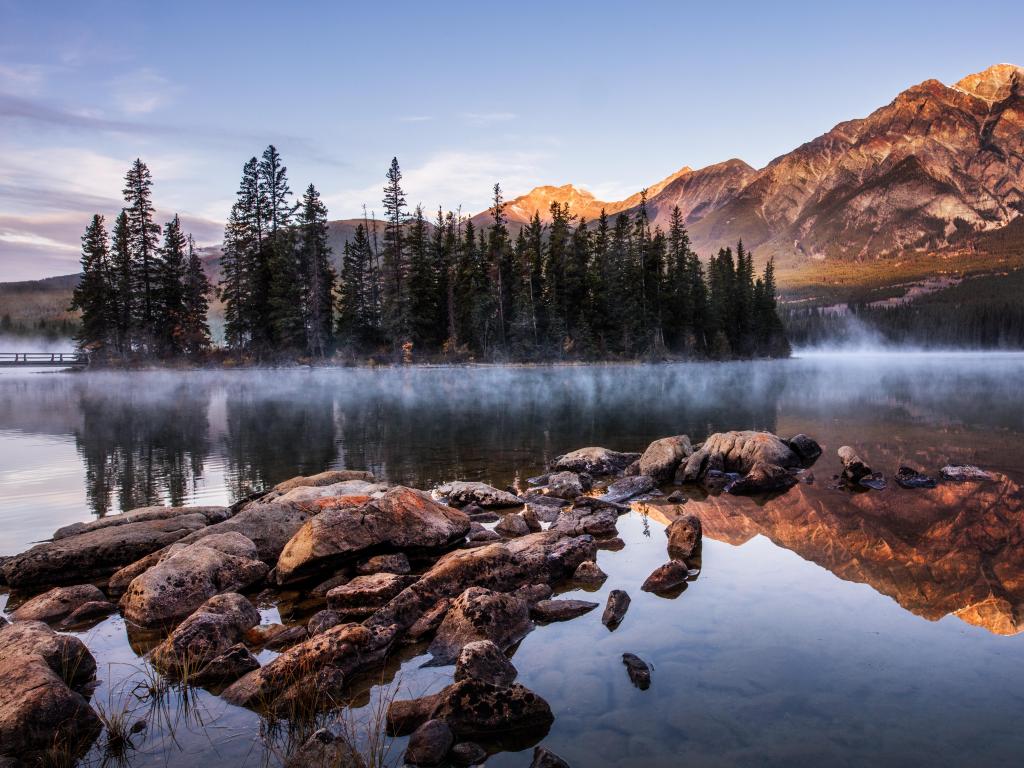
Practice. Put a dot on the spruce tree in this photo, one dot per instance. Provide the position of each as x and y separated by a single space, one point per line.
501 267
121 285
143 247
94 295
195 336
393 297
422 292
169 298
318 274
355 296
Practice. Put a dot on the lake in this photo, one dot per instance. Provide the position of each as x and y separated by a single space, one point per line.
825 627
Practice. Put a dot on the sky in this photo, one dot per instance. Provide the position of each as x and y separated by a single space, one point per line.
608 96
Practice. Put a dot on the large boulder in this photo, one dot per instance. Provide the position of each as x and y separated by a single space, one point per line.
483 660
189 575
330 477
580 520
594 461
403 518
662 457
216 626
567 485
461 492
307 494
481 614
92 551
365 594
429 744
42 677
59 603
737 452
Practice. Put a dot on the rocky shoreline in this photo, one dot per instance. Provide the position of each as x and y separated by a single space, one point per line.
466 569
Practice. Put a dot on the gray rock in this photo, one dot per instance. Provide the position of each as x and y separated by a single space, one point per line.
615 609
565 485
323 620
585 520
854 468
512 525
481 614
589 572
326 747
467 753
964 473
88 613
429 744
533 593
460 493
762 478
483 660
639 672
560 610
626 488
217 625
595 461
226 667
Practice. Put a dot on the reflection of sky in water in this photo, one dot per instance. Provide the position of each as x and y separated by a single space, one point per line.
766 659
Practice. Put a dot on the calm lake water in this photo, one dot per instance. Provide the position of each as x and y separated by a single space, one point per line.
825 628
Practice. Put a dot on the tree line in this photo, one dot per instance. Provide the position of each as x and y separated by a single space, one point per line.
452 289
139 297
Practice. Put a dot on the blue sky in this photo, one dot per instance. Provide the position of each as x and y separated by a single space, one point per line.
609 96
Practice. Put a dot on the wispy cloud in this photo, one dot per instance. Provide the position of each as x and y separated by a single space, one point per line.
484 118
24 79
142 92
415 119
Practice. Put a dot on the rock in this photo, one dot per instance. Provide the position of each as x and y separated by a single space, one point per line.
429 744
58 603
805 448
402 518
532 521
467 753
406 715
666 577
365 594
964 473
533 593
545 758
88 551
322 620
270 525
42 678
626 488
715 480
226 667
341 651
560 610
740 451
612 545
428 623
584 520
544 512
632 470
481 534
565 485
326 747
475 709
88 613
188 575
639 672
615 609
589 572
460 493
762 478
906 477
595 461
330 477
684 536
396 562
482 517
677 497
483 660
286 638
321 589
875 481
662 457
537 480
854 467
354 491
217 625
512 525
480 614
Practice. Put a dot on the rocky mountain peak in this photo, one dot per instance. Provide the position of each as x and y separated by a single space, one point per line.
995 83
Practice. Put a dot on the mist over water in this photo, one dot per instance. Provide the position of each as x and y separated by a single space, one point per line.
813 634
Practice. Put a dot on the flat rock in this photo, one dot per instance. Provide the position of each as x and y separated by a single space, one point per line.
595 461
91 551
483 660
662 457
58 603
626 488
365 594
330 477
42 679
481 614
190 574
615 609
403 518
268 524
639 671
665 577
460 493
560 610
964 473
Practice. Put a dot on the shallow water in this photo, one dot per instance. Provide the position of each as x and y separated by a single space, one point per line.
824 627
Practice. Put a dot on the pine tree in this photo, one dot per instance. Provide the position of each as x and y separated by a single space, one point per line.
283 323
601 286
169 305
121 285
318 274
556 257
142 245
422 292
501 267
94 295
195 335
355 297
244 285
394 309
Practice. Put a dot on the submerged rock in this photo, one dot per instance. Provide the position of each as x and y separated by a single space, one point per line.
662 457
560 610
874 481
429 744
684 536
467 753
59 603
461 493
481 614
907 477
626 488
403 518
42 679
615 609
589 572
483 660
964 473
88 551
666 577
188 575
595 461
639 672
